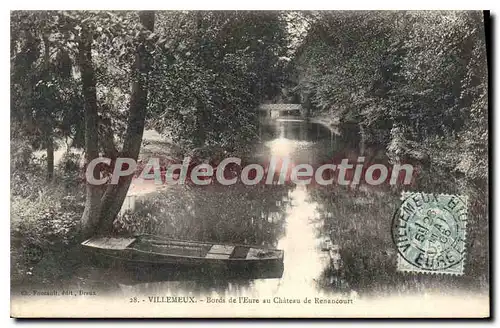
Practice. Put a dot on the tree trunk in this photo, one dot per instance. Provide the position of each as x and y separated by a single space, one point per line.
49 141
114 195
90 217
50 158
101 209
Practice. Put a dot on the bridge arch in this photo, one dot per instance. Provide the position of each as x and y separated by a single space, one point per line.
277 110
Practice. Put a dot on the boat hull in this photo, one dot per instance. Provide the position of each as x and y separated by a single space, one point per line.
238 261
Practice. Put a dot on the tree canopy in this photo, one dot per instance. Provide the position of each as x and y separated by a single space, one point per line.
414 81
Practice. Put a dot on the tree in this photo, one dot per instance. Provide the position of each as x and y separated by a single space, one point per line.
412 81
101 208
45 96
212 71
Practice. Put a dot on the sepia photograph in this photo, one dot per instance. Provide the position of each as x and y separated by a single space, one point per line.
249 164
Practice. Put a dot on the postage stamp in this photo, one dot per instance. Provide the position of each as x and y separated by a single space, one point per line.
429 231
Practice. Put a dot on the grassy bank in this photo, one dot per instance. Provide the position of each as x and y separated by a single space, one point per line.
359 222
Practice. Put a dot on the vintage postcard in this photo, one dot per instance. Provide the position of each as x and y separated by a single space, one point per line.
208 164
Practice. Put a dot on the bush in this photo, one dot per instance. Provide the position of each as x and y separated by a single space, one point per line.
46 220
45 216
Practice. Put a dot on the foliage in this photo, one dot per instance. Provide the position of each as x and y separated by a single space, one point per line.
45 98
49 219
241 214
25 170
414 81
211 74
46 216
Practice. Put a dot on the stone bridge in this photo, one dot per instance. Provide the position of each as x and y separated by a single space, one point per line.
277 110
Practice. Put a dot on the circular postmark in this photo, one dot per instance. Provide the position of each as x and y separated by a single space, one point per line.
429 231
33 253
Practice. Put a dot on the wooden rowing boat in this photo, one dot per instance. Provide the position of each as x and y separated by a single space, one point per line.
157 250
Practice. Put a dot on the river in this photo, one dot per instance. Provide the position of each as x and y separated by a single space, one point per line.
295 218
285 217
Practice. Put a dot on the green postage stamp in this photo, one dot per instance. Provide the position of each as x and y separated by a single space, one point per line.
429 231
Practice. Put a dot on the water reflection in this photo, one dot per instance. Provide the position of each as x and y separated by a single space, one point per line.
296 219
282 216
